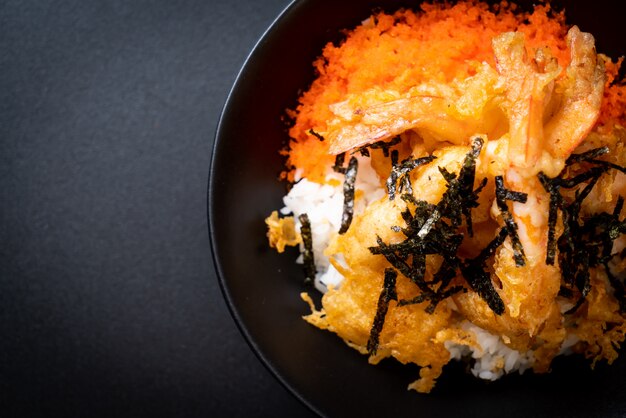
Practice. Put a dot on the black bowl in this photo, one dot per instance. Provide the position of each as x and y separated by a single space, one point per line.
262 287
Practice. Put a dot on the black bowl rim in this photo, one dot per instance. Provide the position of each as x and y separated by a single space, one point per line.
210 210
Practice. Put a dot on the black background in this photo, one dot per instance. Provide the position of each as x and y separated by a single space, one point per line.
109 303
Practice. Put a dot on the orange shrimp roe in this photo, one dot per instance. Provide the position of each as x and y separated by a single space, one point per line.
438 43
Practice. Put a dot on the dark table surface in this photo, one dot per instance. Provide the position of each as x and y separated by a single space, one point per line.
109 303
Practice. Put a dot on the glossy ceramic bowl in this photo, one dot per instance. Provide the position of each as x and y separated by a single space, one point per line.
262 287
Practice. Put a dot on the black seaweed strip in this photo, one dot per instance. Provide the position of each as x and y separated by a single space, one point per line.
446 273
386 145
405 185
403 170
576 180
339 160
425 229
585 192
579 247
394 157
409 198
565 292
400 172
515 196
586 156
588 245
387 294
315 134
481 186
417 299
480 280
418 266
448 176
468 171
407 217
501 195
385 250
410 219
566 245
444 276
609 227
467 175
555 200
379 145
406 248
467 209
393 176
307 254
401 265
491 248
609 165
348 195
434 301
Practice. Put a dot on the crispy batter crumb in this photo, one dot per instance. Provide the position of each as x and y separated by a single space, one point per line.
281 232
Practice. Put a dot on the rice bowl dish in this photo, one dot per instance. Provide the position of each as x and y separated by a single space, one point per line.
466 204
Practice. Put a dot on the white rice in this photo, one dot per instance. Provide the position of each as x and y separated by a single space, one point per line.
324 205
492 357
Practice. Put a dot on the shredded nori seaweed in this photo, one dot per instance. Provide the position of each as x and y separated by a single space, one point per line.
364 151
502 195
315 134
556 202
387 294
589 245
586 156
400 172
608 164
348 195
394 155
350 173
339 160
436 230
383 145
475 272
466 184
586 242
460 197
307 254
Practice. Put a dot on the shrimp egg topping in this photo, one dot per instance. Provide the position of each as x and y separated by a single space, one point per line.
458 190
